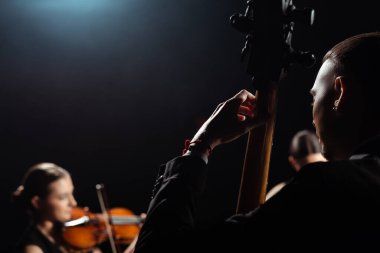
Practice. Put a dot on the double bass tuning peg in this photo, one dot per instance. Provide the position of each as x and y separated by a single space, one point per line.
241 23
304 58
304 16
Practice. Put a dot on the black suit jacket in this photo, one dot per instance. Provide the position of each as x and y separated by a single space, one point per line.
327 207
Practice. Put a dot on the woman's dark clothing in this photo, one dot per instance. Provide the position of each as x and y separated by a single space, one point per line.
327 207
34 236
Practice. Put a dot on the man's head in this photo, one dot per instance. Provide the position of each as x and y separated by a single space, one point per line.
345 95
304 148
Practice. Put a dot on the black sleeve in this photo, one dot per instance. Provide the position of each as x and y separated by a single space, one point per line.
169 226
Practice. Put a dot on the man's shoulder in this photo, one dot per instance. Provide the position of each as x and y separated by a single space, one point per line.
355 178
341 168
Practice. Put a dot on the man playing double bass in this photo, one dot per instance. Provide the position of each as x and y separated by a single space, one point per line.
329 206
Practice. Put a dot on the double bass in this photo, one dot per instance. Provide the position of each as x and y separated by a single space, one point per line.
268 53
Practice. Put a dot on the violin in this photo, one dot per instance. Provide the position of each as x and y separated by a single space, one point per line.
85 230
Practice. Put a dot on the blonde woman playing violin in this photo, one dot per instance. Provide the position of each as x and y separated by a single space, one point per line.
46 193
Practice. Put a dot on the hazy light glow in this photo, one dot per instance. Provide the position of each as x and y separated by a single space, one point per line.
70 5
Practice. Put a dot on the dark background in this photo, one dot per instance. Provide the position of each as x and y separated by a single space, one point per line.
110 89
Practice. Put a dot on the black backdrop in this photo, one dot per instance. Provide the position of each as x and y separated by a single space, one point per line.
110 89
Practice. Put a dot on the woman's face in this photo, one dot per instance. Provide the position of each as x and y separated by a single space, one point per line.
58 204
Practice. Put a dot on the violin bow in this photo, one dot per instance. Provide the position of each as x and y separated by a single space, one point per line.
100 189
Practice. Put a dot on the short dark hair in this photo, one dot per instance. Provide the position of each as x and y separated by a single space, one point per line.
358 58
304 143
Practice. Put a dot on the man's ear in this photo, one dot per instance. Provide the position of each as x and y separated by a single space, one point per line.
36 202
340 87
